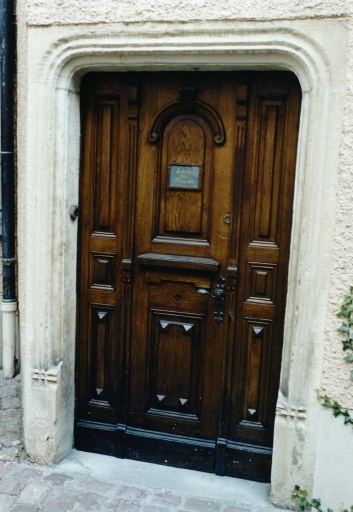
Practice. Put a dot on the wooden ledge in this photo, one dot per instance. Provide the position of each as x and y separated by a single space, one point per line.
174 261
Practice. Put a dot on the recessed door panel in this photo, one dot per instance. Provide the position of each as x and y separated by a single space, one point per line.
183 189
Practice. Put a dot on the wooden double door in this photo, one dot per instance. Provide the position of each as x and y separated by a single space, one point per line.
186 204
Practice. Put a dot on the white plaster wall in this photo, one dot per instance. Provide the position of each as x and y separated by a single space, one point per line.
336 380
41 23
333 482
41 12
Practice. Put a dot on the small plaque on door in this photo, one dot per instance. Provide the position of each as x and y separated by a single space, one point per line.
184 176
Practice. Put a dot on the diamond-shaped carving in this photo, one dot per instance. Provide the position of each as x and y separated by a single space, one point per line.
102 314
161 397
99 391
251 412
257 330
183 401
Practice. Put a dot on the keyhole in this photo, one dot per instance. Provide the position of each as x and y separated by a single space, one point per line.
227 218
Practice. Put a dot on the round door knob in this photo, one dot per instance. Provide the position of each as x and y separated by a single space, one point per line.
74 211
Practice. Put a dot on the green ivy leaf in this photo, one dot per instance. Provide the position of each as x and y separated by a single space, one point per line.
316 503
344 328
349 358
336 409
347 345
303 503
347 419
327 401
344 313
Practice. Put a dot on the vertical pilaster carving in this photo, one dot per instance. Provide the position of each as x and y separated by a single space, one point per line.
133 111
240 131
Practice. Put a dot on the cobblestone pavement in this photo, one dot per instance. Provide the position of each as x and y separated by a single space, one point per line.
11 447
29 487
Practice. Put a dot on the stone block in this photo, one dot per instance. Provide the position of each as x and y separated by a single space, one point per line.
199 505
56 506
13 425
166 499
155 508
4 469
33 493
8 439
25 508
58 478
59 501
27 474
90 501
8 454
130 493
11 402
232 508
94 485
11 485
8 391
126 506
6 502
9 414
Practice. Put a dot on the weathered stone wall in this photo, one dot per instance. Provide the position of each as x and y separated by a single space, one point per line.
65 12
336 381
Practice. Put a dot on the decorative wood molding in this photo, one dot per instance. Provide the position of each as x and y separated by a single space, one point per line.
187 106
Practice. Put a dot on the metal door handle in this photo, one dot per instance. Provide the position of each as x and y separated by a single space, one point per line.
219 297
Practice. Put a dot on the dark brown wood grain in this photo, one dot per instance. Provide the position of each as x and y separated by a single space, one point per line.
158 379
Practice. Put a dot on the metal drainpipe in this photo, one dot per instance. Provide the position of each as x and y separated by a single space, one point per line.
9 302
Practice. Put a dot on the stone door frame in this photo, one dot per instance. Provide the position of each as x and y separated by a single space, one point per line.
49 162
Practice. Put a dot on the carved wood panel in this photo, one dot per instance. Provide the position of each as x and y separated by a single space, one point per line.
101 352
106 165
257 375
268 183
103 271
110 111
175 364
183 199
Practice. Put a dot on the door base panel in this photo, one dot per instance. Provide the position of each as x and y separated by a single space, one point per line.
248 461
145 445
100 438
230 459
170 450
